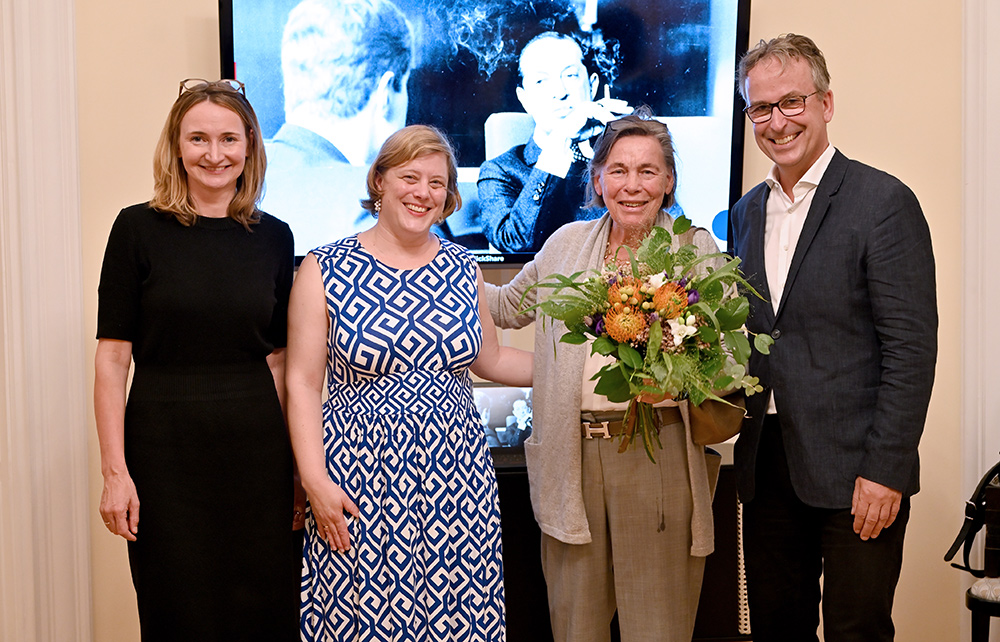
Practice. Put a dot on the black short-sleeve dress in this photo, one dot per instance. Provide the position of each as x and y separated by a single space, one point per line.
205 439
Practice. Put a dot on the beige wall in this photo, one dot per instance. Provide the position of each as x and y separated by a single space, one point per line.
132 54
131 57
881 55
889 51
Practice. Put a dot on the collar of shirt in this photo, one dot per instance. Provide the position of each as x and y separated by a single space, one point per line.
809 180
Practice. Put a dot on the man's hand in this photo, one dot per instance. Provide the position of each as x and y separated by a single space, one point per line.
874 507
556 151
607 109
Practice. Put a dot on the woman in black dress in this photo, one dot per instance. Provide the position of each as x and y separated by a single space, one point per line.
194 289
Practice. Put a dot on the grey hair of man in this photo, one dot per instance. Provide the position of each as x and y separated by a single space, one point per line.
784 49
334 52
640 122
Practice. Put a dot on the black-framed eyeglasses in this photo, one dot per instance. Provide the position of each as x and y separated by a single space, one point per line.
788 106
194 84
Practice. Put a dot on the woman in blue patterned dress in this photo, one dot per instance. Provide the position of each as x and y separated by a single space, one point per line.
402 526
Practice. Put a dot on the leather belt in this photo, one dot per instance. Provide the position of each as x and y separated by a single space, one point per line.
608 424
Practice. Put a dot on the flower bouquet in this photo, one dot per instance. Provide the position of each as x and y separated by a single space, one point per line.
673 324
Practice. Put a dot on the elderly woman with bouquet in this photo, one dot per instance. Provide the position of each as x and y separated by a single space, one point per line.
619 531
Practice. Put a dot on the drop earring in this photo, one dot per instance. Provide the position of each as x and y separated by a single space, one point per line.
378 206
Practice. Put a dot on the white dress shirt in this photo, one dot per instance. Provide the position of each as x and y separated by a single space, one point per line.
785 218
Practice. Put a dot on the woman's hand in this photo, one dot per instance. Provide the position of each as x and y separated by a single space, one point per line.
329 503
305 369
653 398
298 505
119 501
503 364
120 505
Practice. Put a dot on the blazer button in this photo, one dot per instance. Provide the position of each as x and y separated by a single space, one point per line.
776 334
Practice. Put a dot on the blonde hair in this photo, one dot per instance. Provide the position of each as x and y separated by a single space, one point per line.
405 145
170 179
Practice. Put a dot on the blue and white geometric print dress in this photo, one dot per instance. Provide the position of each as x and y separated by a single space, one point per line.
404 441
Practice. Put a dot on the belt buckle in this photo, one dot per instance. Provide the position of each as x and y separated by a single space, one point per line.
590 429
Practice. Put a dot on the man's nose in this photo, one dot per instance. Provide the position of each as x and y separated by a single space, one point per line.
778 119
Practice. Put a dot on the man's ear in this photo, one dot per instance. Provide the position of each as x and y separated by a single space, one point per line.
382 95
828 106
519 92
595 82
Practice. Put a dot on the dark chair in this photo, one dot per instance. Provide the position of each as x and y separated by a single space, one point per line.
982 611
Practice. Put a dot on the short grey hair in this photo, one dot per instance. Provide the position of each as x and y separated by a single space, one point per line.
640 122
785 48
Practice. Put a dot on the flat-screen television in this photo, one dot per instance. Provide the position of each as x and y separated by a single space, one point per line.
521 87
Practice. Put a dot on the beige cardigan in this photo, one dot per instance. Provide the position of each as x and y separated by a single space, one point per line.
552 452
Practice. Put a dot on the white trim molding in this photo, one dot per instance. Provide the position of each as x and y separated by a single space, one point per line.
44 526
981 305
981 237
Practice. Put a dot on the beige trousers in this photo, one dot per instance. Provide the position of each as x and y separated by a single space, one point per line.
639 558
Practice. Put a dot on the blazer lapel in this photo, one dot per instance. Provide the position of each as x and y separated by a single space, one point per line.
755 252
822 199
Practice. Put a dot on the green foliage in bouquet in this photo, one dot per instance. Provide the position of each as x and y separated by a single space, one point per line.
672 320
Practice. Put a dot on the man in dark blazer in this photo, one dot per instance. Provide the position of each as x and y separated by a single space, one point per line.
827 458
344 69
528 192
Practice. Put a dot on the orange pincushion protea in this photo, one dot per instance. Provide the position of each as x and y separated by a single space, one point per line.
670 300
624 323
623 287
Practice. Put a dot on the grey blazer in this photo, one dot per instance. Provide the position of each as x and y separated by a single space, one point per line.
855 336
